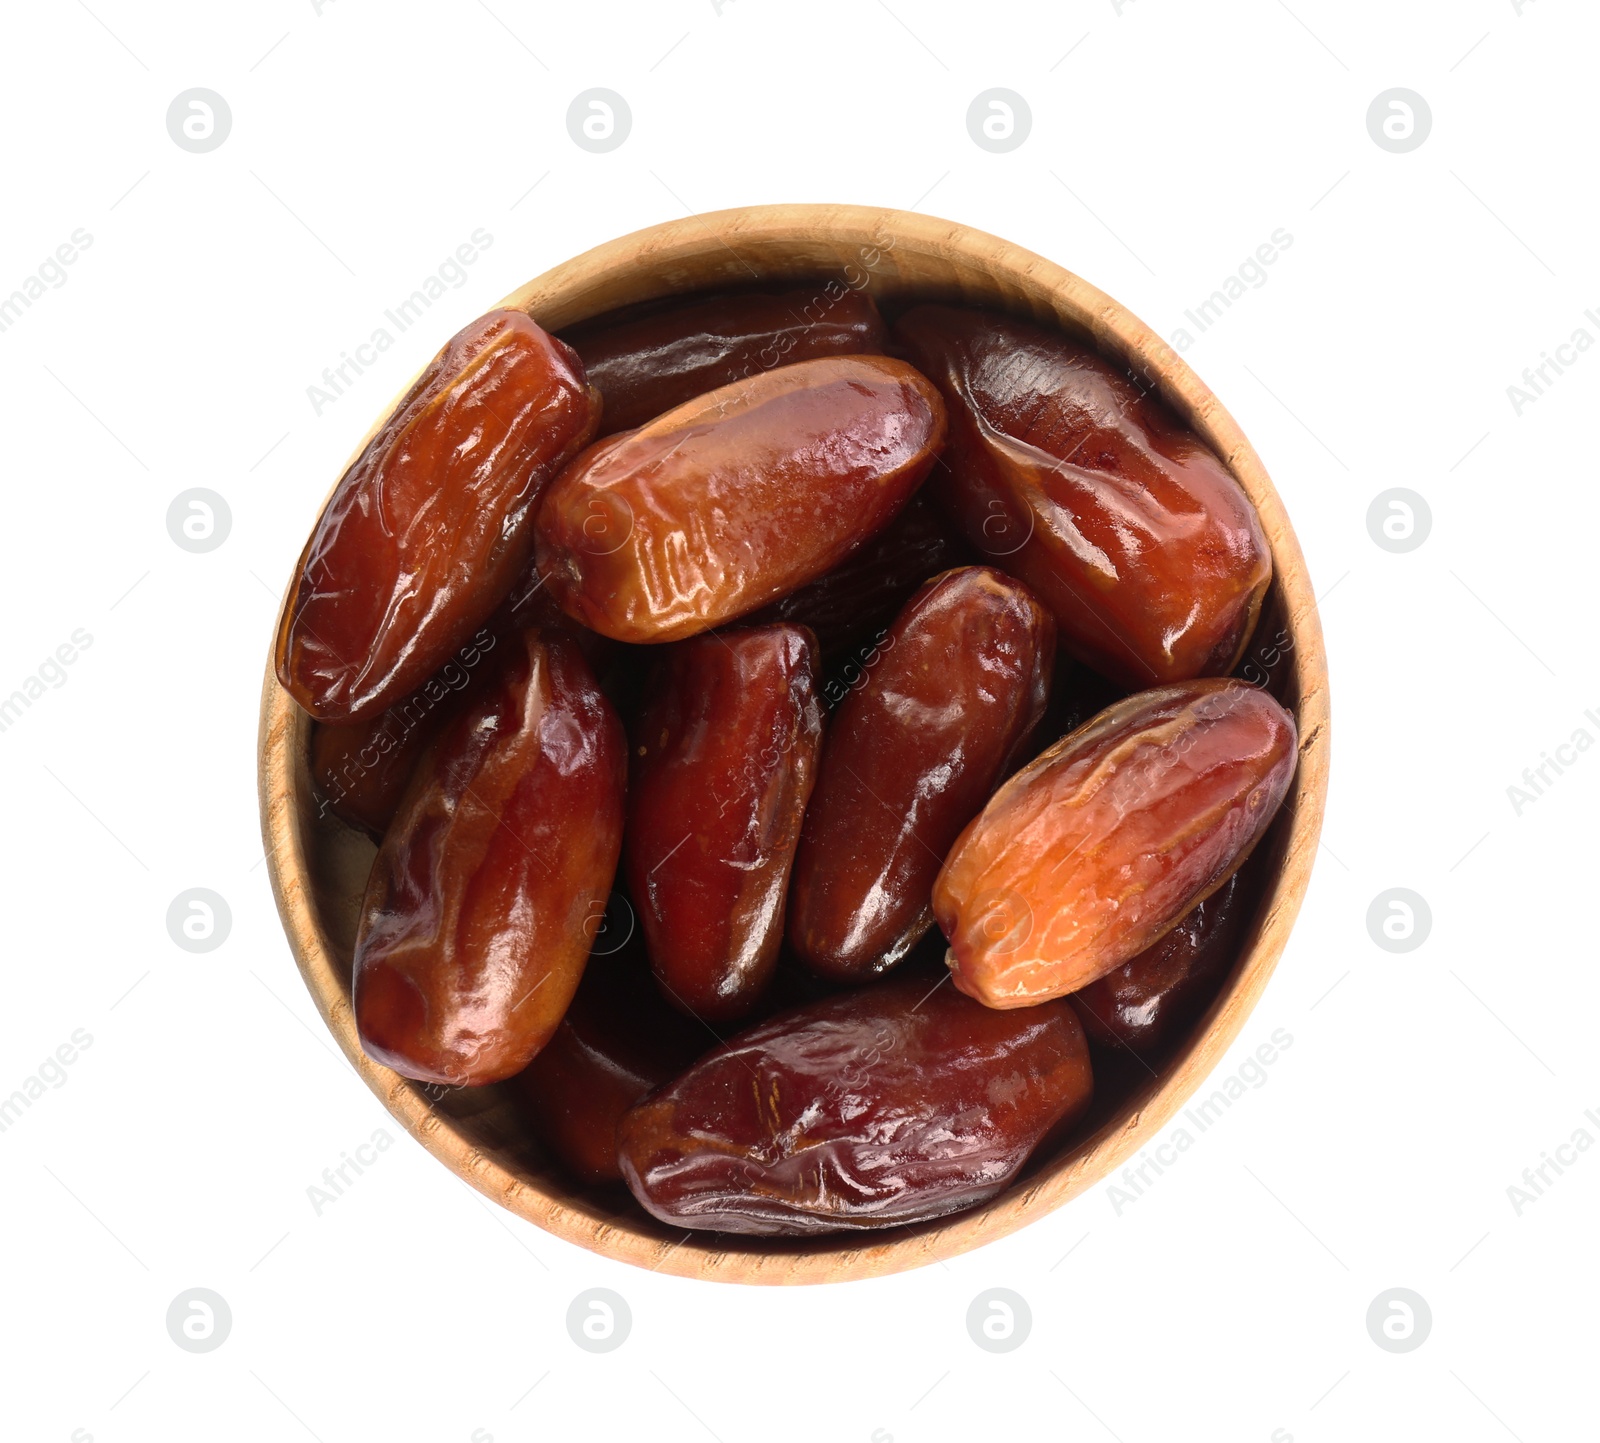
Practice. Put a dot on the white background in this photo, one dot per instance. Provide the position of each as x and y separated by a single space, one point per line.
1168 142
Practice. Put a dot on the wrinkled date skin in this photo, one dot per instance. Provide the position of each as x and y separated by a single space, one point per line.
724 759
855 601
885 1105
427 530
651 358
361 768
1144 1004
490 882
912 755
618 1040
1063 472
737 497
1095 849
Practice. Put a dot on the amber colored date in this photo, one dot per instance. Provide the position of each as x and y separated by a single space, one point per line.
724 759
888 1104
1062 471
911 757
650 358
428 529
491 881
1095 849
854 602
618 1040
737 497
361 768
1144 1004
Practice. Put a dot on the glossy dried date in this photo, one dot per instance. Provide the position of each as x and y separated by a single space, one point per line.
427 530
1101 844
650 358
885 1105
724 759
618 1040
1144 1004
489 885
1065 473
736 498
912 755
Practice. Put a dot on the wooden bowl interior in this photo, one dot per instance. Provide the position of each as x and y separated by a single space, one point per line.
319 866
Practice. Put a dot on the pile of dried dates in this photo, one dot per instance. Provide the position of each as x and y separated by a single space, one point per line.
823 644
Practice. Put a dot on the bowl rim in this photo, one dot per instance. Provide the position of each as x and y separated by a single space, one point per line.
641 265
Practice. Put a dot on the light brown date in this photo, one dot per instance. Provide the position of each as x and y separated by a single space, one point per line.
426 532
724 759
736 498
912 755
493 877
885 1105
1064 472
1094 850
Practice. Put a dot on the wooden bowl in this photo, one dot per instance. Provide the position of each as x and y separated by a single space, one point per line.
319 868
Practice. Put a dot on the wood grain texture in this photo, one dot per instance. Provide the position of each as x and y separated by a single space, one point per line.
318 867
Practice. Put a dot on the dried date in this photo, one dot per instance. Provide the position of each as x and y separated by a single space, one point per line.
885 1105
1063 471
426 532
736 498
723 762
1095 849
490 882
912 755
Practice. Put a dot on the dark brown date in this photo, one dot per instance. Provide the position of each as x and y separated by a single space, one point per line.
493 877
618 1040
1098 847
724 759
885 1105
361 768
856 601
1145 1004
426 532
1063 471
912 755
651 358
736 498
